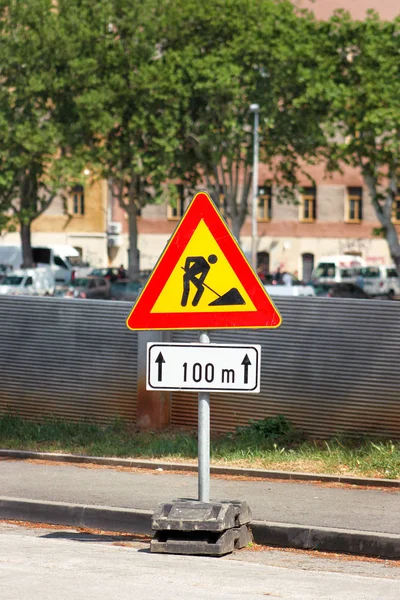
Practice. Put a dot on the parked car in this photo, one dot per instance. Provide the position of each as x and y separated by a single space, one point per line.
124 289
381 281
346 290
89 287
60 291
28 282
321 289
296 288
110 273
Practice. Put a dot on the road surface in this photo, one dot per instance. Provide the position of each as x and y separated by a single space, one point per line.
48 563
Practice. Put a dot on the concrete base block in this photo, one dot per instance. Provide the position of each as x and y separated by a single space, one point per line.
193 515
201 542
193 527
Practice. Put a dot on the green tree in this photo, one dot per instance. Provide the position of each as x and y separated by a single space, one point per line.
122 98
5 222
162 90
230 54
358 88
34 160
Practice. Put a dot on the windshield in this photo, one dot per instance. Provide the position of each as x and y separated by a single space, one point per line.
41 255
325 270
80 282
11 280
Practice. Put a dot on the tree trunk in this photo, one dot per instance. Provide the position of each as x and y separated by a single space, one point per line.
393 243
384 215
134 260
236 225
27 257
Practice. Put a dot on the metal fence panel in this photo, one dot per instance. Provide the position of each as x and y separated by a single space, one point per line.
74 359
333 366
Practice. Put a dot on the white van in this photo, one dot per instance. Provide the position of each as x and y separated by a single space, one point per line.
341 268
28 282
64 260
382 280
10 258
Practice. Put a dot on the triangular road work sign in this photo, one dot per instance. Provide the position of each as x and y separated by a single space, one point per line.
202 280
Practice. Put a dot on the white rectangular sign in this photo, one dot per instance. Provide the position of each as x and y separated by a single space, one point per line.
203 367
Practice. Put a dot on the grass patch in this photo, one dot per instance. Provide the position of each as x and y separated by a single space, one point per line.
270 444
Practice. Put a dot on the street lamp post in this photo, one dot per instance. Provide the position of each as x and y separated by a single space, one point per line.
254 108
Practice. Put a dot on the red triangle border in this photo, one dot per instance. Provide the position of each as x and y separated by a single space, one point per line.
265 315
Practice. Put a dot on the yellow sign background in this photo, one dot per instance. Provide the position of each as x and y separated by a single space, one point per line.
221 278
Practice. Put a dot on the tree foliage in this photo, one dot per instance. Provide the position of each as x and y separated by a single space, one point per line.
124 98
34 158
358 90
162 90
156 92
231 54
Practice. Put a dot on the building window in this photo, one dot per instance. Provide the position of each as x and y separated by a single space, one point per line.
354 205
308 205
78 200
264 204
396 210
177 208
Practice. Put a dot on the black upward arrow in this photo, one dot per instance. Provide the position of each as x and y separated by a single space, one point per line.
160 360
246 362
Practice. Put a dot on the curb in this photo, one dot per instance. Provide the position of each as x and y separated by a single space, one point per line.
214 470
283 535
327 539
77 515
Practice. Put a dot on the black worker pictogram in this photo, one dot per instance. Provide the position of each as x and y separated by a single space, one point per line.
196 270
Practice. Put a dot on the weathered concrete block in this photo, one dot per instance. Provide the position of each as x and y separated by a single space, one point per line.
201 542
194 516
244 536
194 527
242 511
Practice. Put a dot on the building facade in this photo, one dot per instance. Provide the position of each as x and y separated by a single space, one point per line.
334 217
80 220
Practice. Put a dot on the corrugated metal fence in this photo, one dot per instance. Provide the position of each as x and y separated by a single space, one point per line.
71 359
332 366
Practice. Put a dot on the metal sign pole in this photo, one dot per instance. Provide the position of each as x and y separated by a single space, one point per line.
204 437
255 109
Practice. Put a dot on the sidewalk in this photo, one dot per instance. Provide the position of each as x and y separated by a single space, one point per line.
324 516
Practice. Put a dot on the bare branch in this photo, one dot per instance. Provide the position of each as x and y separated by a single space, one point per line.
245 194
120 195
44 205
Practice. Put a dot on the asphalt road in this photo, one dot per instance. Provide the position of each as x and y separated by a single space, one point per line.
298 503
42 564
